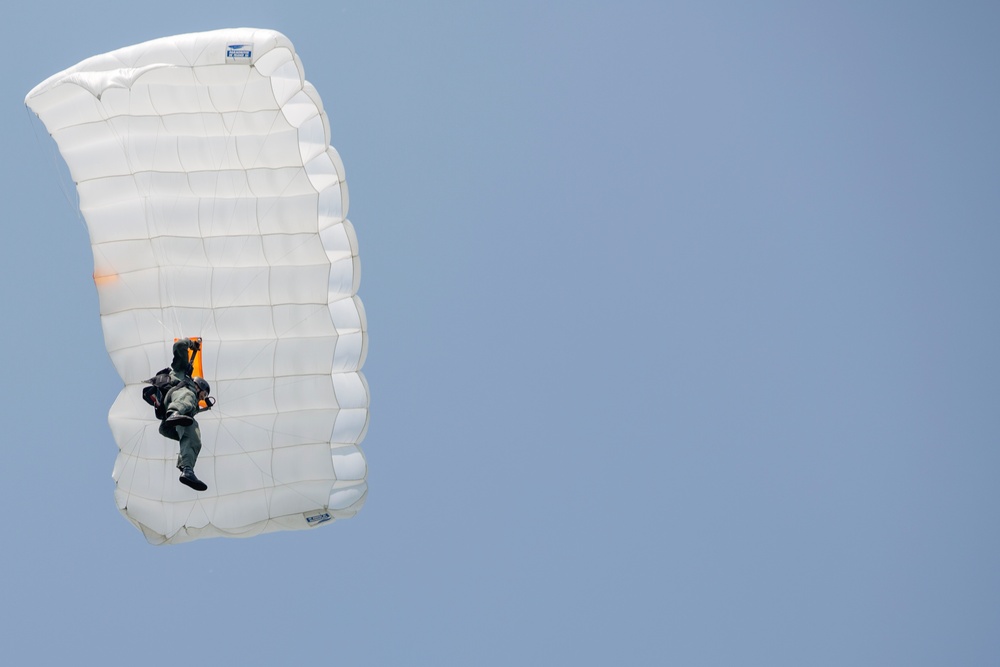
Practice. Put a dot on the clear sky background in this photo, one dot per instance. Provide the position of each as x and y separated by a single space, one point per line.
683 346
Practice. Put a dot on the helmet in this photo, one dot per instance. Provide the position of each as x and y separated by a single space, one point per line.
203 385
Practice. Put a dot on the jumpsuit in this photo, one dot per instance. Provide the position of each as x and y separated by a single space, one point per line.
183 400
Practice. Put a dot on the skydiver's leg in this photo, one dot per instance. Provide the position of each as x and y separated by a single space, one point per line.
183 401
189 450
190 445
182 405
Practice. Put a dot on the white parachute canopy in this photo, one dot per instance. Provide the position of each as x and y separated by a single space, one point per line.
216 208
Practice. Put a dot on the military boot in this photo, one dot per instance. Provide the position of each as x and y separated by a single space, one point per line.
188 479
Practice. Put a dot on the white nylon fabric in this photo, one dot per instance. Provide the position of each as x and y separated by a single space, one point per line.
216 208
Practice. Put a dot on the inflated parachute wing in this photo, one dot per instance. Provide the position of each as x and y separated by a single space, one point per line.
216 208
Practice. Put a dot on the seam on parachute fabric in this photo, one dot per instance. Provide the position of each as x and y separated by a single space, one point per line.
308 303
157 237
295 169
172 114
247 340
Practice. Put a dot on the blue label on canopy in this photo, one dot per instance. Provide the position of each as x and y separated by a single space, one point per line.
318 518
239 53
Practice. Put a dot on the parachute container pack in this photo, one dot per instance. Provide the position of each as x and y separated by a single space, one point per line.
215 204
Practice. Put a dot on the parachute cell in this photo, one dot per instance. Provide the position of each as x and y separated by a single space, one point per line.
215 204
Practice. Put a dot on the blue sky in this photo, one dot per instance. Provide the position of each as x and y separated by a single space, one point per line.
683 323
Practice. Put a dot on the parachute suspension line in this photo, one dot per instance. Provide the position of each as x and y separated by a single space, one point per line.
167 285
124 143
148 196
175 330
246 182
247 167
226 157
61 182
131 460
184 524
246 287
150 211
268 475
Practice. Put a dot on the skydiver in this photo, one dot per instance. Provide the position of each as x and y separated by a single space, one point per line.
182 403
